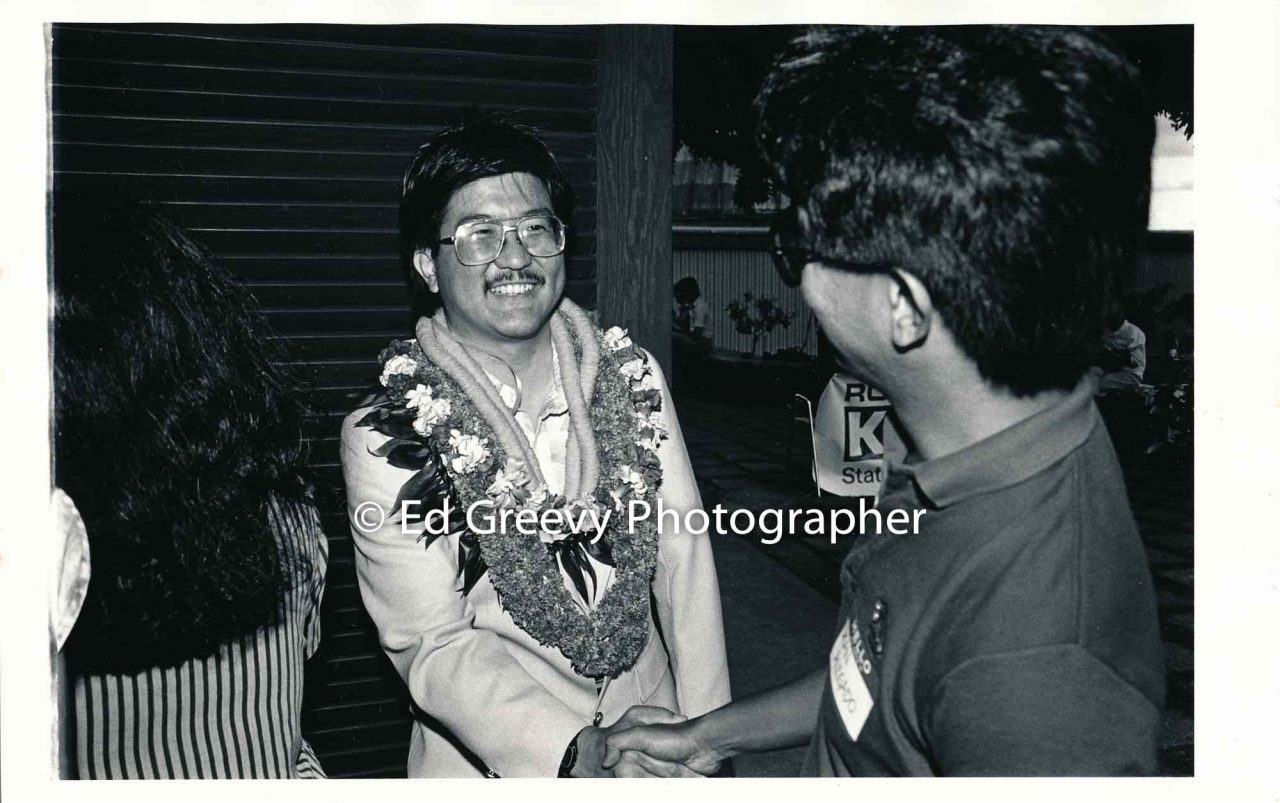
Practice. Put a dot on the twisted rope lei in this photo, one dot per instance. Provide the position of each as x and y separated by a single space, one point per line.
463 369
612 431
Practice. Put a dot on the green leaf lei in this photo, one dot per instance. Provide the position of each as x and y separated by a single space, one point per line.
442 433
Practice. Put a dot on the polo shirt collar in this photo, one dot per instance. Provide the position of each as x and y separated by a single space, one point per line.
1012 455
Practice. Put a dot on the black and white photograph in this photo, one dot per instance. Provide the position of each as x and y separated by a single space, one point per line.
802 398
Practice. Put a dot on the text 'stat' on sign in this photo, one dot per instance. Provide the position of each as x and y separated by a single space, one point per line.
852 433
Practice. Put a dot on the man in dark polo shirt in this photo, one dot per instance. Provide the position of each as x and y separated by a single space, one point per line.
965 203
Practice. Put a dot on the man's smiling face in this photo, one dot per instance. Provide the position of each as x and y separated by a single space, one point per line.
512 297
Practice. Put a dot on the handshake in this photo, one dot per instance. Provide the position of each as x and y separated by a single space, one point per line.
647 742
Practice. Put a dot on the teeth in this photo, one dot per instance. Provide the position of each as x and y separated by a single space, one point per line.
513 289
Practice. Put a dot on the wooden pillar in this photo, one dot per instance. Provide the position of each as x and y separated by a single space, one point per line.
633 183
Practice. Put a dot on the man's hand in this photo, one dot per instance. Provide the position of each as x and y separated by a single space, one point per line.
591 748
781 717
658 749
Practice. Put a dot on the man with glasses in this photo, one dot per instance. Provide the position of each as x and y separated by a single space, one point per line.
966 201
493 406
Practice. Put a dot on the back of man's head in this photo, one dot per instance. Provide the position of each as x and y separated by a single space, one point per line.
686 291
1008 168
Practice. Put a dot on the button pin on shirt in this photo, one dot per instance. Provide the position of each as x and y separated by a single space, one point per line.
879 614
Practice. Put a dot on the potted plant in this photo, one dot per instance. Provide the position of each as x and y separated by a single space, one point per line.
757 316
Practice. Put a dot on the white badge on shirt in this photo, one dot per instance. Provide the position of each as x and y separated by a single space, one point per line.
848 664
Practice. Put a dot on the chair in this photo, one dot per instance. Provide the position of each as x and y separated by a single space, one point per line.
801 412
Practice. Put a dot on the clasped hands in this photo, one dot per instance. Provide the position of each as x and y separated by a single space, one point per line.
646 742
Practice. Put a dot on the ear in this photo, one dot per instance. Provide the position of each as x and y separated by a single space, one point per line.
426 268
910 311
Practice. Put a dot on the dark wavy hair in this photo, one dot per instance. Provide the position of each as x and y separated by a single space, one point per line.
174 435
480 147
1007 167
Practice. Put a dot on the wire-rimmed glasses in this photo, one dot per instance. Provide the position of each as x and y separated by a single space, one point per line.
479 242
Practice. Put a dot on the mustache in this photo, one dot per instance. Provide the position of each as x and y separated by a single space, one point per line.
528 275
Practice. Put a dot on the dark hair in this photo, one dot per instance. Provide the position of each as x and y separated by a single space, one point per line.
478 148
686 290
174 436
1007 167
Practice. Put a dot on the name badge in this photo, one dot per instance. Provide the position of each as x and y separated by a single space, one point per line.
849 662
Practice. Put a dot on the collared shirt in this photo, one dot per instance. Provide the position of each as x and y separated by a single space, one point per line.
1015 633
691 316
548 428
548 434
234 714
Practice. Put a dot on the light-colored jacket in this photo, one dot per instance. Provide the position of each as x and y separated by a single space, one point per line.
486 687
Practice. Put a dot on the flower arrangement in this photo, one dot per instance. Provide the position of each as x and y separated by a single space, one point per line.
442 425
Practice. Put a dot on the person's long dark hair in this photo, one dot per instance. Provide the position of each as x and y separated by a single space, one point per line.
175 436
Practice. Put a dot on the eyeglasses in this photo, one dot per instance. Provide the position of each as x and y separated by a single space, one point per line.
480 241
789 257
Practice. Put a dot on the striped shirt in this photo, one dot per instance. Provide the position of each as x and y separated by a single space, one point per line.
233 714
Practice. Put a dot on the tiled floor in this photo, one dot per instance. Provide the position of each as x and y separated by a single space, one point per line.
777 628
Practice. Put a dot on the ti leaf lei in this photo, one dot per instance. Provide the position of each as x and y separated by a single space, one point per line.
440 415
